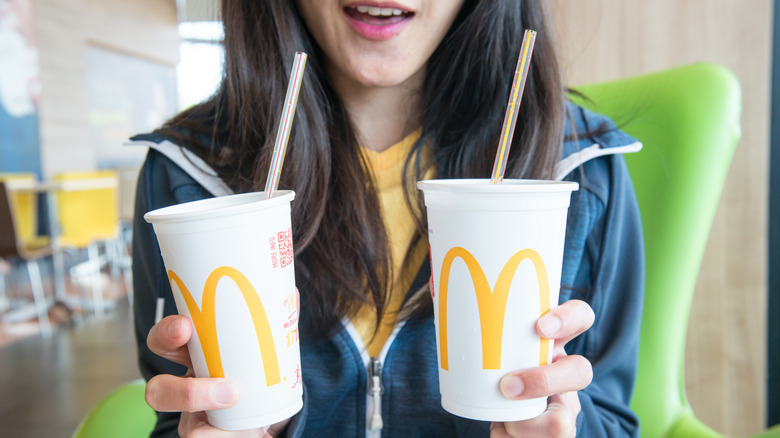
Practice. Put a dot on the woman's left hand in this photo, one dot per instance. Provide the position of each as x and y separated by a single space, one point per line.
559 381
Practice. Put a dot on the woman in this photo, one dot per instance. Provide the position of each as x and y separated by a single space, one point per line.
393 93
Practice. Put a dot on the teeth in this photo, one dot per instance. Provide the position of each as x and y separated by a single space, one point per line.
378 12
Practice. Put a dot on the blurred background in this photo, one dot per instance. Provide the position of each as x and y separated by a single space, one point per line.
731 370
78 77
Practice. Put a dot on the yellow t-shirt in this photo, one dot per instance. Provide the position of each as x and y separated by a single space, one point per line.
387 167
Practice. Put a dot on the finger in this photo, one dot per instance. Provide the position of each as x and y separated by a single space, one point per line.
168 338
206 430
558 352
297 301
559 420
191 421
569 373
565 322
196 425
498 430
277 429
167 393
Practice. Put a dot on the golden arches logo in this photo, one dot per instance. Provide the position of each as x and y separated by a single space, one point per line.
491 304
204 321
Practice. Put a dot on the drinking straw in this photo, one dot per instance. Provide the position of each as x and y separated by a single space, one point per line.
510 118
285 124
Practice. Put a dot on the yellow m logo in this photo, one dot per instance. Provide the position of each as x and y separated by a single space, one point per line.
491 305
205 321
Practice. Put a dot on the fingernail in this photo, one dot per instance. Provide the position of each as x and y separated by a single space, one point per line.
174 329
226 393
550 325
512 386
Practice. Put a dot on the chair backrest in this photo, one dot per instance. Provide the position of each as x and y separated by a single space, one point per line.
122 414
688 119
23 205
87 206
8 243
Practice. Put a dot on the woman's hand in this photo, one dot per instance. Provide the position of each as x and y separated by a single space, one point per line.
559 381
190 395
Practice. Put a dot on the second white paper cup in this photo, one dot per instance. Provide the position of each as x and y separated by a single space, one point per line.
496 256
230 264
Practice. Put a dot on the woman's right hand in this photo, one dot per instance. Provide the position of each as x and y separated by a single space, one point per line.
191 395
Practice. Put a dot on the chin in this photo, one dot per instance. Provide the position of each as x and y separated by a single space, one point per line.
380 83
382 78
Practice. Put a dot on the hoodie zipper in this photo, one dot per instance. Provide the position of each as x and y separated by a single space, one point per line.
375 390
374 370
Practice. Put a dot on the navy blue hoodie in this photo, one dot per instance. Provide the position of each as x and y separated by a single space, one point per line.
603 265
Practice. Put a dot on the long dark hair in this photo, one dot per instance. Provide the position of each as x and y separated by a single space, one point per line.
342 254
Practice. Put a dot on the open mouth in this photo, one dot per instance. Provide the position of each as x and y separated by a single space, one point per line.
376 16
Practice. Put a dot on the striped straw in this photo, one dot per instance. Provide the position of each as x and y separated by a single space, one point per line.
510 118
285 124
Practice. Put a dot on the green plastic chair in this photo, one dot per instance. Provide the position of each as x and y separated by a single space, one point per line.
122 414
688 119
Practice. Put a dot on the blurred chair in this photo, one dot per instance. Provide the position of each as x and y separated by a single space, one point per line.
12 246
25 207
122 414
688 119
88 214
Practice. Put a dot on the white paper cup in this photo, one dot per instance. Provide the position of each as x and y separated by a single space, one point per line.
496 255
230 264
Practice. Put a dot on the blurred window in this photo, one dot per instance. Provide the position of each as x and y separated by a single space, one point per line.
201 61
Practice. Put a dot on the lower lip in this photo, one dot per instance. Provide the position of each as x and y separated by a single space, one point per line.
377 33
